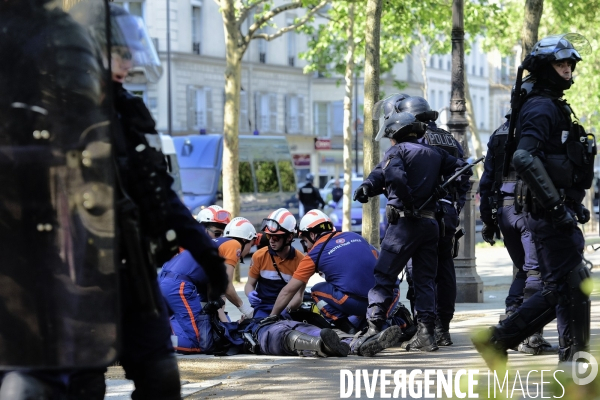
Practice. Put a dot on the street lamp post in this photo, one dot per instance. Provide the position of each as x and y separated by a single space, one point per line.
169 104
469 284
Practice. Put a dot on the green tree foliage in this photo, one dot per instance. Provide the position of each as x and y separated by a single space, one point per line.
403 25
504 33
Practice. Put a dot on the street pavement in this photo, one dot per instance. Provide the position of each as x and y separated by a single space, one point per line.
266 377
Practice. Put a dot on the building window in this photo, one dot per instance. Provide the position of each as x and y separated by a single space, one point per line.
291 42
432 102
262 48
196 29
266 110
337 120
134 7
294 114
431 62
322 118
440 63
441 101
448 65
200 115
480 71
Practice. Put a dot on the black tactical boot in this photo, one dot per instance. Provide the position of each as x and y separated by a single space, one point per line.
423 340
489 343
379 342
442 333
537 345
326 344
373 328
345 325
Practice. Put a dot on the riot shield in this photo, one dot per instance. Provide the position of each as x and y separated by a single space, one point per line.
58 280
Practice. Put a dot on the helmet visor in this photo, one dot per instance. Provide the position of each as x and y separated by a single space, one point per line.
272 226
222 216
387 106
566 46
130 39
393 124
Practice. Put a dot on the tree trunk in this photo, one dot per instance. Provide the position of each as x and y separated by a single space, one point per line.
231 181
531 23
348 77
370 228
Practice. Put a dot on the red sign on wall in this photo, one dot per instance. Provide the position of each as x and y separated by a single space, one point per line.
301 160
322 144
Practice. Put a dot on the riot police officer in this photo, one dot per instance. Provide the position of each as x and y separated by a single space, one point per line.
555 159
309 195
150 219
447 212
498 212
409 175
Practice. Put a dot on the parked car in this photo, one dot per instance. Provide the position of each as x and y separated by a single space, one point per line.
356 211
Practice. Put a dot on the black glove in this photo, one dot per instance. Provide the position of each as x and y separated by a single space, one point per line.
582 213
440 193
489 231
562 218
362 193
213 306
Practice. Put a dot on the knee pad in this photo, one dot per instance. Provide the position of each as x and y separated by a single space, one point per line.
579 307
157 378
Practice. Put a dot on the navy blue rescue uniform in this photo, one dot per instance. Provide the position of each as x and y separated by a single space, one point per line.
559 251
448 209
409 172
498 193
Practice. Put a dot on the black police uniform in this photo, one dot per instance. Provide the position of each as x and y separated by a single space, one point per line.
337 193
409 173
497 208
554 159
147 351
310 197
448 210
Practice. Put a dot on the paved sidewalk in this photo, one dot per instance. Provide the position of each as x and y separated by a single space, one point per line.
264 377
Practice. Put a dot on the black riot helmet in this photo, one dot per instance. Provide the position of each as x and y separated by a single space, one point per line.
419 107
569 46
400 126
388 105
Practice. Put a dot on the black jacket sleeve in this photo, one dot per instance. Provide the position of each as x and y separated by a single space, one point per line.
137 121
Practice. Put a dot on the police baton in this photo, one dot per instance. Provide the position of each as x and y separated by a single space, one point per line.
452 179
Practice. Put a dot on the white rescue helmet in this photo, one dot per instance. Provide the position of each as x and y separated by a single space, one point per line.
240 228
214 215
315 219
279 222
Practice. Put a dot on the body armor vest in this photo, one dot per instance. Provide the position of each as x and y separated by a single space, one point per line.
500 136
439 137
573 165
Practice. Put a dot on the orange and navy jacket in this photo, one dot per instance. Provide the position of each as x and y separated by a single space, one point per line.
262 269
347 262
230 249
